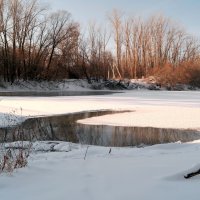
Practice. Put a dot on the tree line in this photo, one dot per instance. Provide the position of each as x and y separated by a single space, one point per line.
36 44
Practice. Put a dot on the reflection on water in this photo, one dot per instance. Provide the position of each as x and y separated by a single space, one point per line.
65 128
60 127
132 136
54 93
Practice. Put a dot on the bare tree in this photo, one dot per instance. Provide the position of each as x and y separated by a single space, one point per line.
59 24
37 44
116 22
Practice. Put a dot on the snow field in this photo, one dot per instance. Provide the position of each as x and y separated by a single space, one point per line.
150 173
127 173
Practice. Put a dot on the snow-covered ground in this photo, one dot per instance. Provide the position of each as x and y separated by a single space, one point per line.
45 85
126 173
82 84
151 173
151 108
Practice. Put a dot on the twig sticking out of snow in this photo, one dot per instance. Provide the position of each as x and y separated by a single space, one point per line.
86 152
190 175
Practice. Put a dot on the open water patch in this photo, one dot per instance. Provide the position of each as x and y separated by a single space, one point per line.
66 128
54 93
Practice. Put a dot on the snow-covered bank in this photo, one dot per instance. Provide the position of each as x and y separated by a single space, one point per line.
45 85
83 85
150 173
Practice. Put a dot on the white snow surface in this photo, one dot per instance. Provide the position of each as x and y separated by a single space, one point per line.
150 108
150 173
68 84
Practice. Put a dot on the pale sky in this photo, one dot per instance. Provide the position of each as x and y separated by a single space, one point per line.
185 12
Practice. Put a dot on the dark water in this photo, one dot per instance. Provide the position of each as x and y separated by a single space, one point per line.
65 128
54 93
132 136
57 127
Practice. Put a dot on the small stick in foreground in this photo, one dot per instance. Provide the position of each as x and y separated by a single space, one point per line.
86 152
192 174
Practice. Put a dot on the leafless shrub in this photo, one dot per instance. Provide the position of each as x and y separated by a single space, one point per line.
170 76
194 76
13 159
165 76
14 155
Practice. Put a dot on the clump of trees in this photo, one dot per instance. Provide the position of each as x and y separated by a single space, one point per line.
154 46
37 44
34 41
